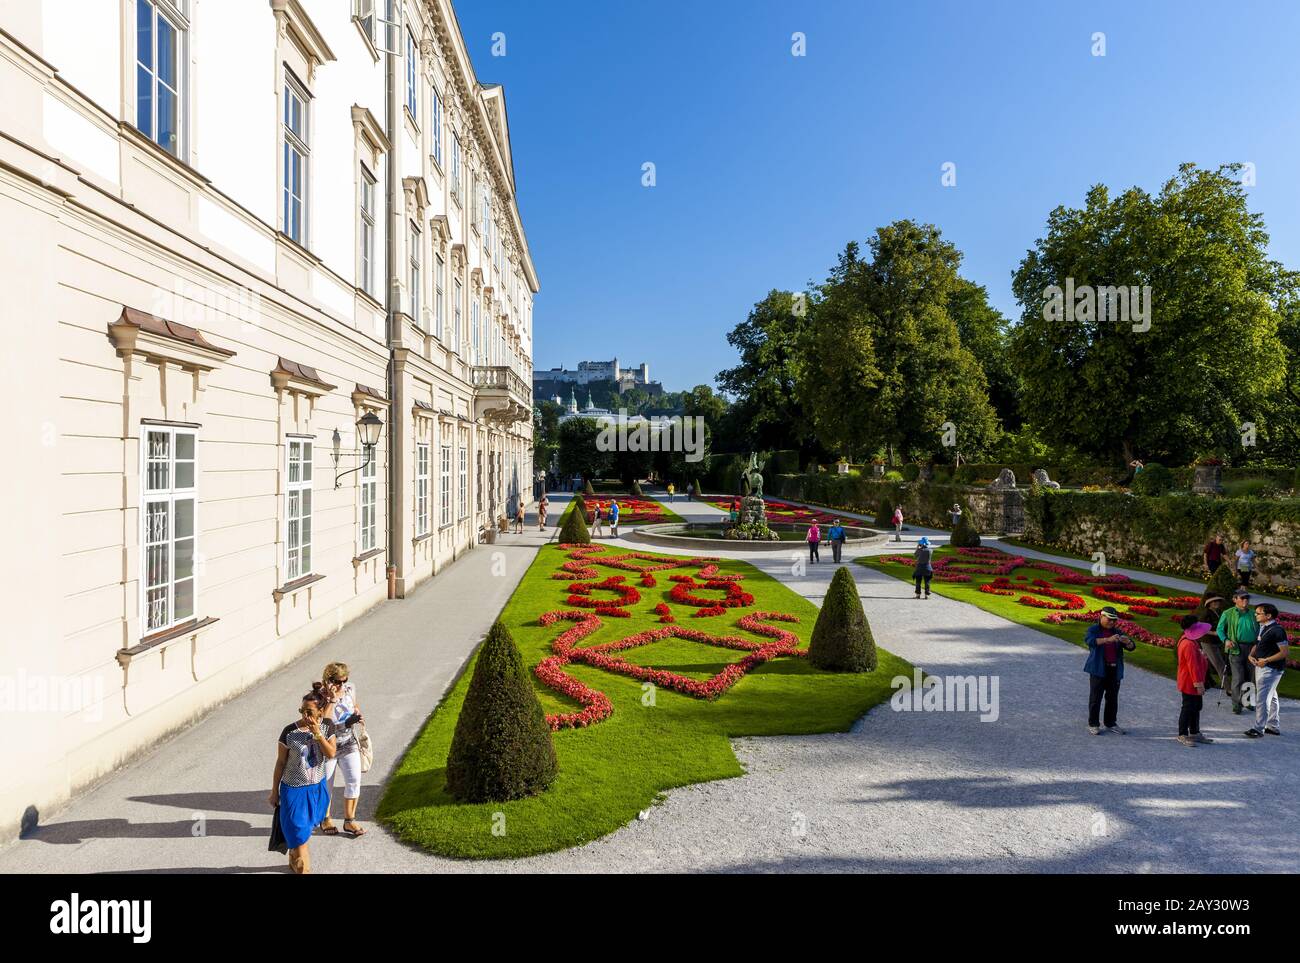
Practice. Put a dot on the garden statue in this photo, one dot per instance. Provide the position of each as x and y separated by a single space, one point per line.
1006 479
1042 481
754 480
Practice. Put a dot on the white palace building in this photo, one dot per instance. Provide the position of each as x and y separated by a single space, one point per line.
270 303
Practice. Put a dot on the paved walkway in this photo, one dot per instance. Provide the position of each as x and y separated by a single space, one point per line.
903 791
403 656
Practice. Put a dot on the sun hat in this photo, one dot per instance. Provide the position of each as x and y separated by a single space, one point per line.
923 541
1110 612
1196 630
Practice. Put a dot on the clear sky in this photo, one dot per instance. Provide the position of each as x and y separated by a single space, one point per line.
767 163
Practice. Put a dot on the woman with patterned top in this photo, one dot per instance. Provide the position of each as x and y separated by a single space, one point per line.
342 709
298 785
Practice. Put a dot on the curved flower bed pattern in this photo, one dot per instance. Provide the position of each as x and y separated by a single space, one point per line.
590 612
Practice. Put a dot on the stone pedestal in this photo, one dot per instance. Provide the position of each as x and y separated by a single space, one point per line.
1208 480
752 510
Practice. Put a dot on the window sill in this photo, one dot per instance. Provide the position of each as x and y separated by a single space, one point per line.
421 538
297 585
160 640
366 556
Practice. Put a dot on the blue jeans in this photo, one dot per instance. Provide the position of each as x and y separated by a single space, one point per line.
1267 704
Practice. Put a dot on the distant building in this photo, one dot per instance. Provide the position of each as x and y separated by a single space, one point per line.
589 371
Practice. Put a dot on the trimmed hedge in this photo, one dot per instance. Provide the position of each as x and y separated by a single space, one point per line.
502 747
574 530
964 535
841 638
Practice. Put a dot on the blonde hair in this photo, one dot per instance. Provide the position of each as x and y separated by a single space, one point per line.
335 670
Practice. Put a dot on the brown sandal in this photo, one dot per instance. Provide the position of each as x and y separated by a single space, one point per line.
330 830
357 832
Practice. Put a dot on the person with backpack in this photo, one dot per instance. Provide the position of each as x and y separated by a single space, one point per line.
898 523
837 538
1192 666
1105 668
1238 629
923 567
814 539
596 530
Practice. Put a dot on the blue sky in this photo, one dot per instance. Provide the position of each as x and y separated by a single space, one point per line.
768 163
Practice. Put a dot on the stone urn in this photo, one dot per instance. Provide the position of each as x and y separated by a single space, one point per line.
1208 480
878 470
842 467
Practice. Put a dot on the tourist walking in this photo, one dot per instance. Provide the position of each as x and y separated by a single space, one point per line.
954 514
613 518
1245 562
1213 553
837 536
298 791
898 523
1211 645
1238 629
1105 668
923 567
1269 659
542 506
342 710
519 517
672 492
1192 666
690 491
814 539
596 530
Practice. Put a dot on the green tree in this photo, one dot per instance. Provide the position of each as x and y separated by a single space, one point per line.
578 449
764 383
985 332
546 433
882 361
1211 358
502 747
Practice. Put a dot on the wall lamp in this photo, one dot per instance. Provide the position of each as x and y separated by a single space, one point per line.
368 429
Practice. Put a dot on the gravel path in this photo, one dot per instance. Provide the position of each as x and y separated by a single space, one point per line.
903 791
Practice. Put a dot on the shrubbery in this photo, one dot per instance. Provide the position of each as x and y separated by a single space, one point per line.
964 534
502 747
1154 479
841 638
574 530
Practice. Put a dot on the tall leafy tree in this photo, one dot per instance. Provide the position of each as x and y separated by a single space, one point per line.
1211 359
882 361
763 384
985 332
579 452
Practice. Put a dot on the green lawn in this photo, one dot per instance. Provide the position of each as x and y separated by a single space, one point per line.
1154 658
616 768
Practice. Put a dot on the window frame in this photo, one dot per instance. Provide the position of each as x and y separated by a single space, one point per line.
304 483
456 310
366 217
444 484
300 144
462 474
422 517
435 125
415 264
439 280
176 15
168 495
412 100
368 497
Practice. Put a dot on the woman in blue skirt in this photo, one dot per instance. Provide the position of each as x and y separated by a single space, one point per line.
299 792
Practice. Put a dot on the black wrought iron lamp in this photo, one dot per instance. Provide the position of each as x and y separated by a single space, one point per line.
368 429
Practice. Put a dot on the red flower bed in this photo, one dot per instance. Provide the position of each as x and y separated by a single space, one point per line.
734 596
579 592
1174 602
779 511
631 511
597 706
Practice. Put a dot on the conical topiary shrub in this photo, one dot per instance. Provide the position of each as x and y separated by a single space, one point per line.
636 489
502 747
841 639
964 534
1222 583
574 530
587 489
580 505
699 491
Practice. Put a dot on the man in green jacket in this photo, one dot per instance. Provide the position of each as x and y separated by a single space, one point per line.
1239 630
